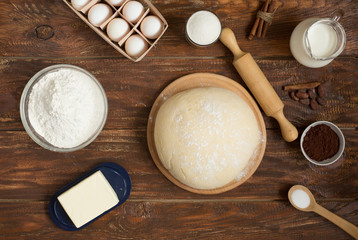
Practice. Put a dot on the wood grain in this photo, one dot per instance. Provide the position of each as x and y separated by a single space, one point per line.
132 88
30 172
157 209
73 38
182 220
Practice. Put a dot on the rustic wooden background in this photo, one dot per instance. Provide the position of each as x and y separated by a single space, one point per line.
157 209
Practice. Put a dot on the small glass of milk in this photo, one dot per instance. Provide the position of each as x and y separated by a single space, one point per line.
315 42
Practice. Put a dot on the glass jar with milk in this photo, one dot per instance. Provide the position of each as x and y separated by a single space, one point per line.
315 42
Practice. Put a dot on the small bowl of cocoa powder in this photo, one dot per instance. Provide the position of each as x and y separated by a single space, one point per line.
322 143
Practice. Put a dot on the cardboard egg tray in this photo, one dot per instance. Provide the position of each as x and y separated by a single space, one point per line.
135 28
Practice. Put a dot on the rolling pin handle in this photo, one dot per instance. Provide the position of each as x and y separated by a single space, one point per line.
288 131
258 84
228 38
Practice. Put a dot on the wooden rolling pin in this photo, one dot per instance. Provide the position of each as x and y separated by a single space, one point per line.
258 85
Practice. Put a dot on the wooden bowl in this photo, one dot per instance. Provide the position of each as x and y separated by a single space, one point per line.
197 80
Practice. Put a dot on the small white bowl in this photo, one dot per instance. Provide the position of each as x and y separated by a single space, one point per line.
340 149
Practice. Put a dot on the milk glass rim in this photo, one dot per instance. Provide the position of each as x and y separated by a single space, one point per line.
333 22
340 151
24 108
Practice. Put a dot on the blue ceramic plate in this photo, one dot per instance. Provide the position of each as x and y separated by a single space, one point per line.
117 177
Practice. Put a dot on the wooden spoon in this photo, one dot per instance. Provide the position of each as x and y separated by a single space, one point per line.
314 207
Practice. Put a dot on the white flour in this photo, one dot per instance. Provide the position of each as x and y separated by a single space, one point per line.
66 107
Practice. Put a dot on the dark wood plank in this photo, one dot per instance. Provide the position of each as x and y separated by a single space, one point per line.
73 38
132 88
182 220
30 172
157 209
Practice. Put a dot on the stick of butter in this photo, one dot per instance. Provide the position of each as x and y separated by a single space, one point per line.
88 199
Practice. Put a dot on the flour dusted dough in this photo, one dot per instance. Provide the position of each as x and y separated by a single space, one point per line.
205 136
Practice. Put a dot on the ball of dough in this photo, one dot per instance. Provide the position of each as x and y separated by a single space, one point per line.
205 136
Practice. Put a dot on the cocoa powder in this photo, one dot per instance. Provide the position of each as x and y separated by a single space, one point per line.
320 142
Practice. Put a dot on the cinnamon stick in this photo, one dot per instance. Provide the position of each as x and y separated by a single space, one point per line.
270 10
261 23
256 24
301 86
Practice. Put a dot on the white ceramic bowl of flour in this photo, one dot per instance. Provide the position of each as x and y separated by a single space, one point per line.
63 108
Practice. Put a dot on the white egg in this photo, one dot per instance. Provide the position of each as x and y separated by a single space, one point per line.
151 27
116 3
79 4
136 46
133 11
99 13
117 28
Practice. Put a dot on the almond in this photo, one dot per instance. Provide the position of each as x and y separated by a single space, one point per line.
302 95
321 91
312 93
321 101
304 101
314 104
293 96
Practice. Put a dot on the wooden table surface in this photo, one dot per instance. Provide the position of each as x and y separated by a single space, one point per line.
157 209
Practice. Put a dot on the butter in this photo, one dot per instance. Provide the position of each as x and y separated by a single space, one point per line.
88 199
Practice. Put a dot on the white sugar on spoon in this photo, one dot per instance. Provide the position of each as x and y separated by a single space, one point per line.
302 199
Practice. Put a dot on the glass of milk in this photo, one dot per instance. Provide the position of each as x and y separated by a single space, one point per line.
315 42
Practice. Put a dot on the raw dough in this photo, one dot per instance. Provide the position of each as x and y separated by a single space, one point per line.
205 136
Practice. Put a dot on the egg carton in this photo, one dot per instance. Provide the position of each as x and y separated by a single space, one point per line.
135 28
